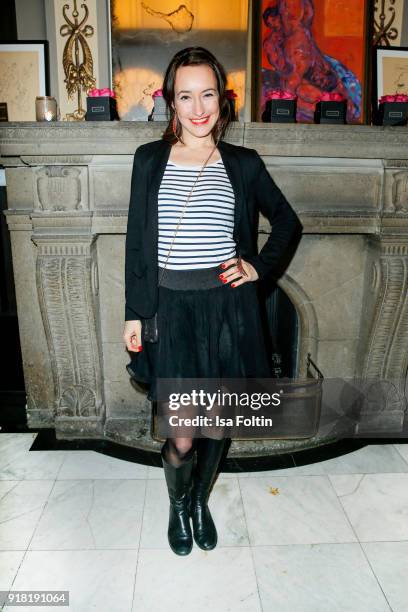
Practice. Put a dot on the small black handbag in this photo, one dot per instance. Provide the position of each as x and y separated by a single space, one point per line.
150 329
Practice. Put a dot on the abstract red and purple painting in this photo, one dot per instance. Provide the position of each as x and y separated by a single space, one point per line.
310 47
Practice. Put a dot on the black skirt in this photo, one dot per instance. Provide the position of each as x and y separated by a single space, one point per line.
212 330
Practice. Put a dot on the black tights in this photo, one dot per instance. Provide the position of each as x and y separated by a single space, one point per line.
177 451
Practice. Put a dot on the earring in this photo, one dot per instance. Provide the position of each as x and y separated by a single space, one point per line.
175 125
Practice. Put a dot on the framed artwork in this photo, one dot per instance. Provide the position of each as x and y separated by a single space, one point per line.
312 47
24 74
390 72
145 36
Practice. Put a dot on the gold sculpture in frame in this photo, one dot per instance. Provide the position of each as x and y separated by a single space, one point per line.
77 58
384 27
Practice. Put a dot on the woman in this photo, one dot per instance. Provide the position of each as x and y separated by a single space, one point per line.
207 310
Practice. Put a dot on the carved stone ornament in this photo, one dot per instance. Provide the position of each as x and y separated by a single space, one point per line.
400 192
386 355
66 289
58 188
77 400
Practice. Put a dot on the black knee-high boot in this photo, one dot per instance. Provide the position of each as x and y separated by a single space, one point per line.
209 453
179 480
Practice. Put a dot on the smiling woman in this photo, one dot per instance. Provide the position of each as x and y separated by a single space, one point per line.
193 210
196 110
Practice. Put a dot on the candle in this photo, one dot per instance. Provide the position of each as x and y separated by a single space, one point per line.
45 108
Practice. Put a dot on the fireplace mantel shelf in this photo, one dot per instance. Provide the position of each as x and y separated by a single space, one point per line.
287 140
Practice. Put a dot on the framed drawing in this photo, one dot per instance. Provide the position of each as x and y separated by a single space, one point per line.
312 47
390 72
24 74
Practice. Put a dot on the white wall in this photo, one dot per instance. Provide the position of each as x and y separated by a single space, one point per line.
30 16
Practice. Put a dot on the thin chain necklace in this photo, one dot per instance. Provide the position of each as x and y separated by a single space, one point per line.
213 149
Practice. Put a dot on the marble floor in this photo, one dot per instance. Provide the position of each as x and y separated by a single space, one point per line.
328 536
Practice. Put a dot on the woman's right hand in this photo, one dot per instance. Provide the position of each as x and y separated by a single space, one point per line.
132 335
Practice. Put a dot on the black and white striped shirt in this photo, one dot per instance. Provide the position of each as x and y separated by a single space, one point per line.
204 238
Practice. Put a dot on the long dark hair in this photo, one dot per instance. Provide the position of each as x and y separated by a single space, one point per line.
194 56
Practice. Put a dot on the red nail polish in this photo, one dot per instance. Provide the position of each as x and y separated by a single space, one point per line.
139 348
221 276
222 266
232 284
224 280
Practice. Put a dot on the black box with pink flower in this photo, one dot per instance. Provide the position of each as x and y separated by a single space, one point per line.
331 111
392 113
278 110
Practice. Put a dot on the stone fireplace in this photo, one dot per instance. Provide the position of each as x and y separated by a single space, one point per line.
344 294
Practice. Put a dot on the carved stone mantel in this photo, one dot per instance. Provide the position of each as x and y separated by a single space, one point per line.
68 191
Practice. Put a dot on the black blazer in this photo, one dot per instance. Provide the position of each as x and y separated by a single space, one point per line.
254 191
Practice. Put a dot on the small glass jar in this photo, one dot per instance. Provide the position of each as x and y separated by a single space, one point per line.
46 108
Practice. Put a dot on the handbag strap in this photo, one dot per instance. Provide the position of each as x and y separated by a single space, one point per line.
184 209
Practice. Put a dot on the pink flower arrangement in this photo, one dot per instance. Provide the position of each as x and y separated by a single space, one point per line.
96 93
158 92
281 94
393 98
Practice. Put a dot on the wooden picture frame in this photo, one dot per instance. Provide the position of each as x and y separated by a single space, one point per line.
390 72
24 74
330 44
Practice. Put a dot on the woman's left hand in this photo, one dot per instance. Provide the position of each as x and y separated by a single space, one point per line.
239 268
